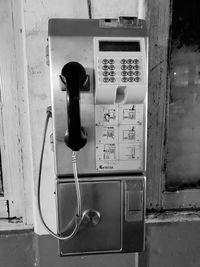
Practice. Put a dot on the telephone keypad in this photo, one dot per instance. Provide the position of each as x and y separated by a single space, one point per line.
115 70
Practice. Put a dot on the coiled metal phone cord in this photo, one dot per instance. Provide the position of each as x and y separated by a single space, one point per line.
78 216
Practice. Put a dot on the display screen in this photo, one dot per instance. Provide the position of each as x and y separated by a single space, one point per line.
131 46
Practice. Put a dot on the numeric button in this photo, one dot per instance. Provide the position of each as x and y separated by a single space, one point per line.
130 67
112 73
129 61
105 67
137 79
123 61
137 73
135 61
111 61
105 73
111 67
130 73
106 80
131 79
124 79
123 67
136 67
105 61
112 79
124 73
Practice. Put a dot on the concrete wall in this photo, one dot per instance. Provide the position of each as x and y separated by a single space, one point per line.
167 245
17 249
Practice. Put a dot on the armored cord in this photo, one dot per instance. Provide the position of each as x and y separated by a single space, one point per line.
78 216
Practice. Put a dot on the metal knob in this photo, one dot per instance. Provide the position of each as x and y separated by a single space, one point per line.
91 217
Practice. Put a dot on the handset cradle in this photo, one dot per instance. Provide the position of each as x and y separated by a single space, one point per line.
73 75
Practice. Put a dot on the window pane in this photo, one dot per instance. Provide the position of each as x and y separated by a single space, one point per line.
183 157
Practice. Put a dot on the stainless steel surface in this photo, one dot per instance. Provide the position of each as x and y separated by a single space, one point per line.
62 50
112 226
113 201
105 197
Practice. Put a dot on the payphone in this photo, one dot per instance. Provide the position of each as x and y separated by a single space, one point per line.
99 85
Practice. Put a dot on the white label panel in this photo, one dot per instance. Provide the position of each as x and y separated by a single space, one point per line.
119 137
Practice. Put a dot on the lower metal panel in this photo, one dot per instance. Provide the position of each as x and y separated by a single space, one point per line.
105 197
119 230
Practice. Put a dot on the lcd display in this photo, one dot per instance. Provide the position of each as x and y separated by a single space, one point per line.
130 46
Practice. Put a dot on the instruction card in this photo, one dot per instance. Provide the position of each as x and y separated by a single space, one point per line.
119 137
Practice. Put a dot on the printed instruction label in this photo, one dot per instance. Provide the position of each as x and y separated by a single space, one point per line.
119 137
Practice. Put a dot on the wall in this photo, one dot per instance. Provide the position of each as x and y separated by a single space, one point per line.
17 249
174 244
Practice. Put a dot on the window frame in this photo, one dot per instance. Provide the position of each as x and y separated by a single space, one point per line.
159 14
15 140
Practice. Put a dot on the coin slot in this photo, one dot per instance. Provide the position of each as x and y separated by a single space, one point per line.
120 94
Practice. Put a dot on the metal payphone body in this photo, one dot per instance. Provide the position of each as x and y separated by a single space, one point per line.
113 111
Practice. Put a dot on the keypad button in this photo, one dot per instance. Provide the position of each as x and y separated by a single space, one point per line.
105 67
105 73
135 61
111 67
124 73
130 73
106 80
123 67
136 67
130 67
136 79
112 79
136 73
123 61
124 79
131 79
112 73
129 61
105 61
111 61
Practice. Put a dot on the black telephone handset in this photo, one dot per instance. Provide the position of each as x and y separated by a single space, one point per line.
73 75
